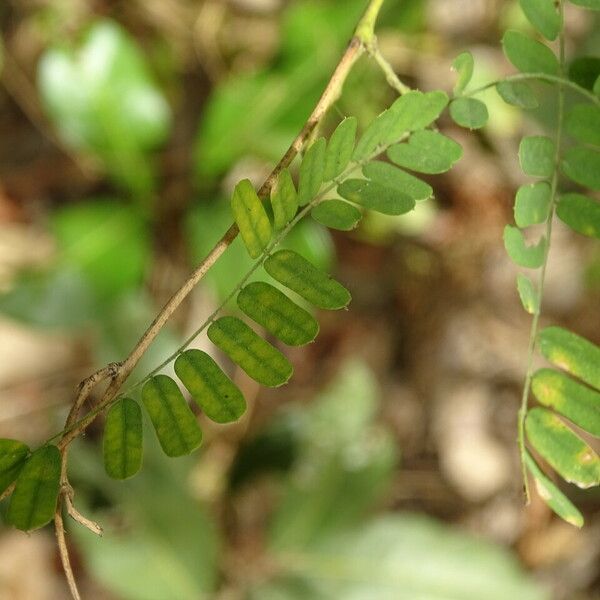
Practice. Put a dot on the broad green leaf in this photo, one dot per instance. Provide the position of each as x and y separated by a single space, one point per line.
175 424
596 87
122 444
463 65
12 458
532 204
262 361
340 148
33 502
517 93
311 172
537 155
577 402
572 353
529 55
426 152
528 294
552 496
374 135
583 123
373 195
580 213
284 200
215 393
582 165
336 214
591 4
584 71
296 273
413 111
542 14
251 218
390 176
280 316
565 451
530 257
469 112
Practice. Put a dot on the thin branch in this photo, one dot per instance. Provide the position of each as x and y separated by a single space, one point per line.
59 528
388 71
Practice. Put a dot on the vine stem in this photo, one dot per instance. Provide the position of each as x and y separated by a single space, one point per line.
542 276
117 373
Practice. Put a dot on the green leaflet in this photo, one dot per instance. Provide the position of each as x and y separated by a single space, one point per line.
393 177
311 172
528 294
583 123
296 273
280 316
578 403
251 218
176 426
565 451
218 397
284 200
33 502
374 135
580 213
528 55
336 214
122 444
12 458
584 71
517 93
591 4
261 361
542 14
532 204
582 165
340 148
536 155
413 111
530 257
463 65
469 112
552 496
373 195
426 152
572 353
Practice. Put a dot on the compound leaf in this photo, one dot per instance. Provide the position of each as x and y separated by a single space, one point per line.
284 200
122 444
542 14
218 397
583 123
552 496
12 458
251 218
340 148
469 112
572 353
530 257
280 316
565 451
390 176
463 65
426 152
299 275
580 213
33 502
176 426
336 214
529 55
261 361
373 195
529 297
536 155
517 93
311 172
578 403
582 165
532 204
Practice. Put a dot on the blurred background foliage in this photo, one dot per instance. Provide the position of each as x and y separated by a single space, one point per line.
387 469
